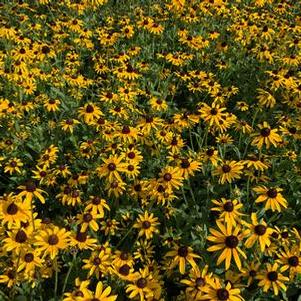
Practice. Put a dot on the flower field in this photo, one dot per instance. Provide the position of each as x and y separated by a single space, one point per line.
150 150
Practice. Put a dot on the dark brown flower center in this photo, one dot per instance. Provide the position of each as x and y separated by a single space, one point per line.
21 236
126 130
111 166
265 132
89 109
222 294
131 155
146 225
272 276
183 251
260 229
199 281
30 187
124 256
12 209
141 283
252 273
213 111
231 241
284 234
53 239
96 261
293 261
96 200
228 206
28 257
45 49
226 168
131 167
210 152
87 217
78 294
81 236
272 193
185 163
13 163
167 177
124 270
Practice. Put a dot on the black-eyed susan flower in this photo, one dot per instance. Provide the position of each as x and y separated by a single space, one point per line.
13 166
227 239
97 205
141 285
111 168
229 210
29 191
198 279
51 241
257 231
228 171
87 220
272 198
290 260
13 212
101 293
82 241
271 278
216 291
181 256
147 225
171 177
98 263
266 136
90 112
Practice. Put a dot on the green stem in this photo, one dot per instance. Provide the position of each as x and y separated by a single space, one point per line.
192 194
56 280
68 273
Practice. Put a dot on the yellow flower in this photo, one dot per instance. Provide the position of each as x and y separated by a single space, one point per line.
111 168
228 171
147 224
228 240
98 263
13 165
258 232
271 278
229 211
182 255
215 291
52 105
198 280
88 219
100 294
272 197
171 177
266 136
30 191
90 112
51 240
13 212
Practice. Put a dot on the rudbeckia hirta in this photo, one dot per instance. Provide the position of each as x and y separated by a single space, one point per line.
50 241
182 255
258 231
272 198
228 171
216 291
266 136
227 239
147 225
271 278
